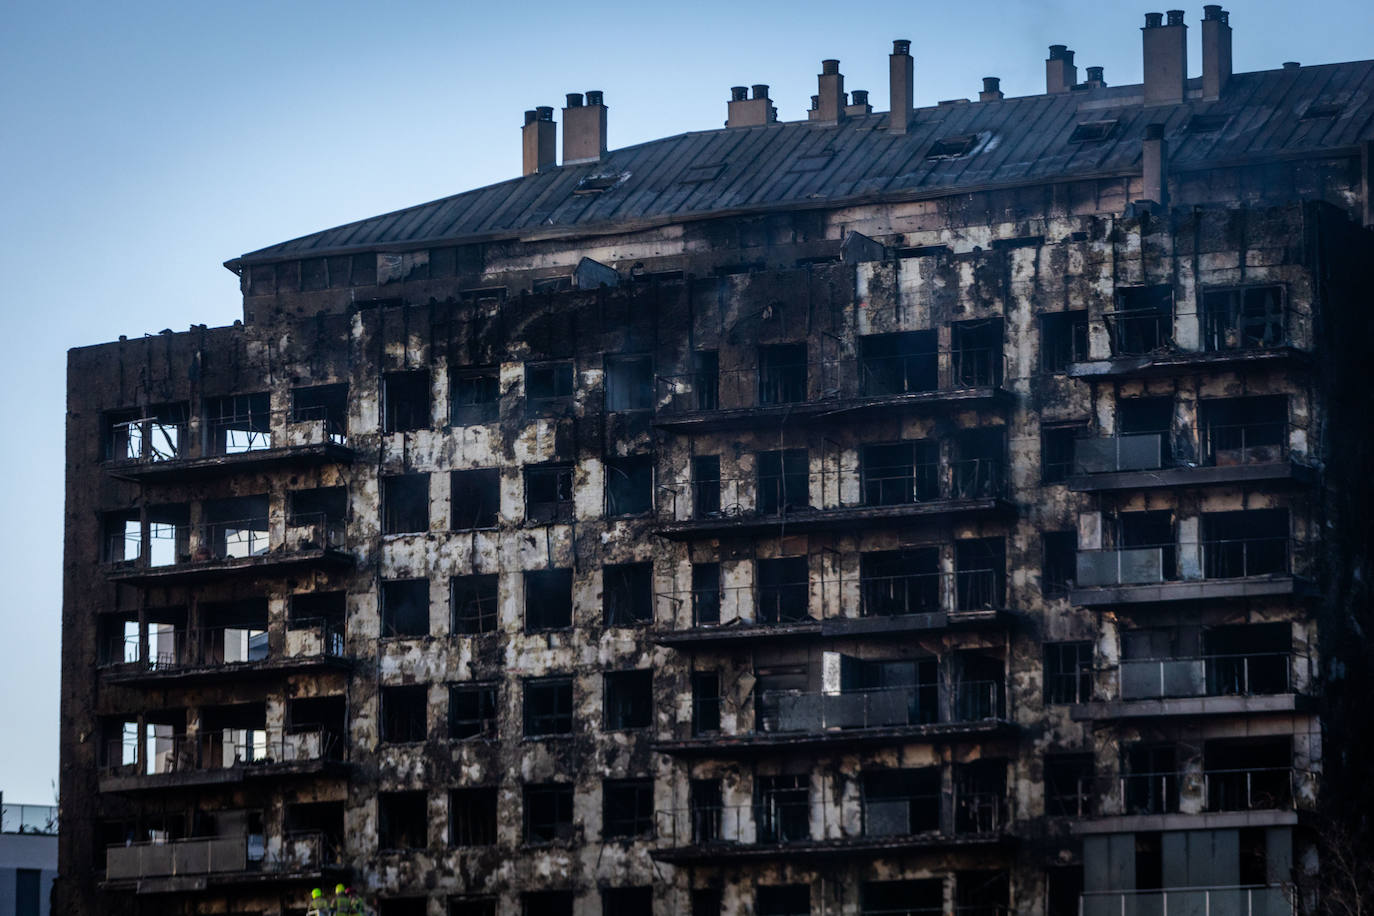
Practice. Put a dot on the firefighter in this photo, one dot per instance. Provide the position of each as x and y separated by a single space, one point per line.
344 902
317 905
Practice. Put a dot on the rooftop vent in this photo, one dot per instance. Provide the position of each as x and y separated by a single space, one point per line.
1322 110
1092 131
952 147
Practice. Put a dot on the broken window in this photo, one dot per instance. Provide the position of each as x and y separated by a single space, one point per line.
123 537
548 706
630 485
326 818
980 792
156 433
1248 774
975 355
629 698
978 463
234 528
705 486
405 607
405 401
548 493
627 594
405 504
1059 562
898 363
627 807
548 385
627 901
1150 778
1063 340
782 374
705 594
915 680
547 903
900 472
783 483
952 147
782 900
1243 319
1057 452
706 805
783 590
475 497
982 893
118 641
548 600
472 906
901 802
237 423
896 582
475 396
1068 672
706 379
1153 530
979 687
324 611
705 702
326 404
318 506
1092 131
326 714
403 713
1253 542
629 383
1248 660
782 811
402 820
980 574
1069 785
903 898
472 816
232 632
1239 431
476 603
471 711
707 901
548 812
1143 322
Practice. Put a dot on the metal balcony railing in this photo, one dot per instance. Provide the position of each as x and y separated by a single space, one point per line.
1149 793
300 852
1254 900
181 544
40 819
884 707
221 749
1253 788
209 647
1227 558
1213 445
1139 332
1241 674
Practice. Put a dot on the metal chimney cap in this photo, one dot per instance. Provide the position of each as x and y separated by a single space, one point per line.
1175 17
1094 73
1154 20
738 93
545 112
830 67
594 97
901 46
574 100
1291 65
760 90
992 83
531 116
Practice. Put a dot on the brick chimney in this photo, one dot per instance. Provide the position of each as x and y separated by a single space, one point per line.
830 96
746 112
1216 51
1060 73
1154 163
1094 80
901 70
584 128
992 89
538 140
1165 47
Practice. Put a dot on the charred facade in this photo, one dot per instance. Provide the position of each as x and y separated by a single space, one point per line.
944 510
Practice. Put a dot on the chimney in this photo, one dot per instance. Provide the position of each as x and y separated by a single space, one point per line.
858 104
992 89
1094 80
1216 51
1154 160
1060 73
746 112
1166 58
537 140
584 128
901 86
829 94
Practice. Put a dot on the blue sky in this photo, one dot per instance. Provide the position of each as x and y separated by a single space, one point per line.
145 143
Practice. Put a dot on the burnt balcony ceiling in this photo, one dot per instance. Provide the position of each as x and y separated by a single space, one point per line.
207 467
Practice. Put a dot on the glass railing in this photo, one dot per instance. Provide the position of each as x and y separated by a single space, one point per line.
40 819
1214 445
220 749
1211 901
1227 558
245 852
1242 674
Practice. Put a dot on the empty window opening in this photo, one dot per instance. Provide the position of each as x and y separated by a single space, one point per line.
783 590
547 903
324 612
548 600
549 493
1248 659
901 802
783 900
900 472
1092 131
1057 445
472 906
472 816
237 423
897 582
322 505
229 735
156 433
324 404
975 355
1063 340
1246 543
706 379
627 901
707 901
233 529
118 642
475 497
978 463
471 711
903 898
706 805
402 820
405 607
327 715
475 396
1069 785
1150 537
706 594
782 373
325 818
405 401
898 363
627 594
627 807
629 383
783 810
476 603
548 706
630 485
1143 322
405 504
1150 778
706 700
1058 562
548 383
705 486
910 688
629 699
403 713
548 812
1238 431
783 483
403 906
980 574
981 893
1068 672
231 633
1064 888
979 687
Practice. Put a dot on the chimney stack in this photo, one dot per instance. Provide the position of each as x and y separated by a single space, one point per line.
537 140
1154 161
746 112
830 97
1060 73
1216 51
992 89
584 128
1165 46
858 104
901 70
1094 80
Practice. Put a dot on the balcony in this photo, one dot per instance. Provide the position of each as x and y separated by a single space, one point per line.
210 654
221 757
195 864
180 552
1207 571
1256 900
1231 684
39 820
1243 453
1207 799
831 391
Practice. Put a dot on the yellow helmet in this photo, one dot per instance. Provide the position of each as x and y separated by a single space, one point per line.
316 894
338 889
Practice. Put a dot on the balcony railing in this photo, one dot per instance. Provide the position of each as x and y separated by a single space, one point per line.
1226 558
1255 900
302 852
41 819
1214 445
221 749
884 707
1242 674
173 547
1245 789
1149 793
230 648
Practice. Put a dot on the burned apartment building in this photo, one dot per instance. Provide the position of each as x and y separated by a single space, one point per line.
949 510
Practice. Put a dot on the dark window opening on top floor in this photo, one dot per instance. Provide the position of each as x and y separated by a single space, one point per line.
706 594
901 802
156 433
627 901
903 898
783 483
980 574
405 607
975 355
475 498
1251 542
979 460
629 699
1143 321
901 472
472 816
705 486
1069 785
548 706
471 711
237 423
547 903
314 274
1063 340
706 700
1058 561
475 603
1068 672
706 379
403 713
629 383
327 404
402 820
548 384
405 401
548 493
782 590
627 808
320 505
1057 451
548 814
627 594
782 374
783 899
897 582
898 363
405 504
630 485
475 396
548 600
1237 431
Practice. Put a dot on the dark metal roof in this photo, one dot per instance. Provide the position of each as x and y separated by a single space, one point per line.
1019 140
